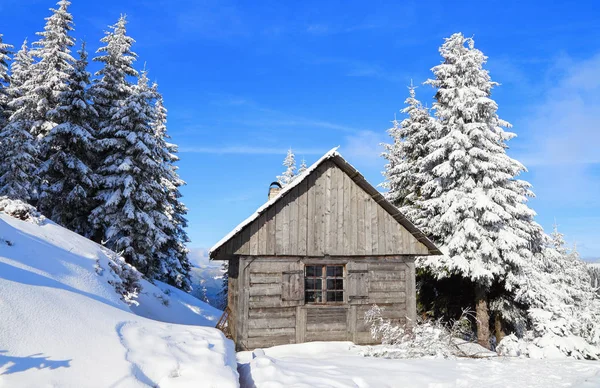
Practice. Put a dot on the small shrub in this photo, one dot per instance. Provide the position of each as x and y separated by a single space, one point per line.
421 339
21 210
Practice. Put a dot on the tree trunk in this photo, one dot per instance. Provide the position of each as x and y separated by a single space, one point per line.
483 317
498 328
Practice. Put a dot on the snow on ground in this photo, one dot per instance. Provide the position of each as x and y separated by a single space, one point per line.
63 325
339 364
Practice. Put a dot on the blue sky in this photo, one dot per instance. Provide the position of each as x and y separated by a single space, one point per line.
244 81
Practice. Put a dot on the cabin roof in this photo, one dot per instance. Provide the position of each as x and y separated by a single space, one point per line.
357 177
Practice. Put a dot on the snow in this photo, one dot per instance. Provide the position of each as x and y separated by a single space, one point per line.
339 364
63 325
332 153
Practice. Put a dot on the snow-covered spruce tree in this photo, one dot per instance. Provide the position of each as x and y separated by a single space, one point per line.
50 74
472 204
172 256
67 151
290 169
405 154
108 93
302 167
594 270
4 81
17 145
111 87
131 195
563 310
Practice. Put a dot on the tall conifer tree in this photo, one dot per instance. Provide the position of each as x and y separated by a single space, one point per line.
473 205
51 73
4 81
173 254
17 145
410 137
66 192
131 194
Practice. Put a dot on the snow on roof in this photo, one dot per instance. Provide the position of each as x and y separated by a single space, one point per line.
332 153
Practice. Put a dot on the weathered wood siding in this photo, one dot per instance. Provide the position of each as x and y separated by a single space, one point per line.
326 214
270 308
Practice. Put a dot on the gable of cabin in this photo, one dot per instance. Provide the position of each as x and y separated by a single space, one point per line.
326 214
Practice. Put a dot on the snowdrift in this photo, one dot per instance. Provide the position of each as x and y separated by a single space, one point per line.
62 323
340 364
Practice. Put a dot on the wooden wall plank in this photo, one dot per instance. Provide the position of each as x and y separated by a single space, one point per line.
368 232
253 238
270 225
361 198
339 229
347 216
319 209
302 218
332 247
327 217
279 227
354 215
293 222
310 216
262 234
381 248
374 228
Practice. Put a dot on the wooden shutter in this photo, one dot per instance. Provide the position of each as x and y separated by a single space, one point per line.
292 284
357 282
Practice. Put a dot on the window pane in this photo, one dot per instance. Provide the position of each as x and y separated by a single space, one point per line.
309 284
335 271
335 284
335 296
310 270
313 297
309 297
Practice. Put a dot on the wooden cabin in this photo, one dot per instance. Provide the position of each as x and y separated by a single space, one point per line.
312 260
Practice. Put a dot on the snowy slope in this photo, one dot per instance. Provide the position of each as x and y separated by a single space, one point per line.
339 364
63 325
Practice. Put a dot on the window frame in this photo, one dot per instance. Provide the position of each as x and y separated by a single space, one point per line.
323 278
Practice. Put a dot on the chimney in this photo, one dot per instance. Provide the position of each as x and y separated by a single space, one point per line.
274 190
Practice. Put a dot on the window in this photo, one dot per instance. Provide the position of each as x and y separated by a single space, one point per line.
324 284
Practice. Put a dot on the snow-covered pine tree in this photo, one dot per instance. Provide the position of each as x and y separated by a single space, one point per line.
472 204
67 151
131 195
290 169
406 152
4 81
17 145
50 74
174 265
562 308
594 270
302 167
108 93
112 86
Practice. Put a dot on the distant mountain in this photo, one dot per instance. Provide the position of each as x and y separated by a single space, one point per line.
207 277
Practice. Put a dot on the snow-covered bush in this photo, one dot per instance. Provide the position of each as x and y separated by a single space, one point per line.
421 339
128 285
549 345
594 270
21 210
563 309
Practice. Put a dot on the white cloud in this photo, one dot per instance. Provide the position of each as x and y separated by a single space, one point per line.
565 127
364 148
